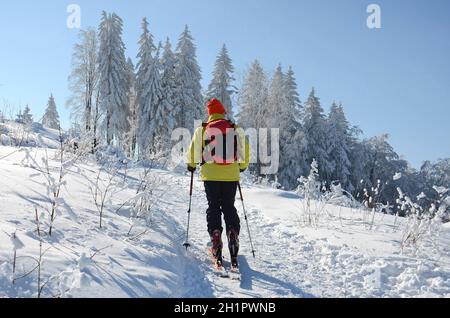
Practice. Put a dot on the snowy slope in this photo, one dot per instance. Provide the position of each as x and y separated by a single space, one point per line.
123 268
16 134
343 257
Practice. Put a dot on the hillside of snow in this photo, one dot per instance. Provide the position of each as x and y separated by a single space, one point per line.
349 253
17 135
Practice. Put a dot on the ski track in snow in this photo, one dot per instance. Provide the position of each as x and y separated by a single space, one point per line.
291 260
257 279
259 275
288 264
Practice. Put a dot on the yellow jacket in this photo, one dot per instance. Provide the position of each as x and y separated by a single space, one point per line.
212 171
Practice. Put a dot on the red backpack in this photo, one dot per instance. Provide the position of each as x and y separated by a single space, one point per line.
214 132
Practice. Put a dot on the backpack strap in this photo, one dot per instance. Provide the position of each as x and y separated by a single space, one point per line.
204 126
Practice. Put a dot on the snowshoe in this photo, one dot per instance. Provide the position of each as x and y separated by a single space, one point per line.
217 259
233 244
216 253
234 270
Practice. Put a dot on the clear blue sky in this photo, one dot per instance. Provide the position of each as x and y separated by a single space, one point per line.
394 80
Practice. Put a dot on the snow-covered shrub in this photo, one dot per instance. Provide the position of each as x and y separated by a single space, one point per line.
17 244
54 180
266 181
110 156
340 197
102 188
80 144
143 205
371 196
58 285
276 184
38 260
371 202
443 202
157 158
16 135
310 187
313 203
422 224
4 140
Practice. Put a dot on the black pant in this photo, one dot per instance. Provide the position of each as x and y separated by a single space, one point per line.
221 197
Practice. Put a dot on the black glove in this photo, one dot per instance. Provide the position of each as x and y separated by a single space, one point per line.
191 169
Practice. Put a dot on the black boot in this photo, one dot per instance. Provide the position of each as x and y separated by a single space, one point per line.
233 245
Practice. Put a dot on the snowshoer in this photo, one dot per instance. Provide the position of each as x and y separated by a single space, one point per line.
222 151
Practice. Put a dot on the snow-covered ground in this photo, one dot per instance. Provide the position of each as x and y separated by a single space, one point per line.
345 256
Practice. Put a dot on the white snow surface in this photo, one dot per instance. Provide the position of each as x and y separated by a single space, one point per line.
343 256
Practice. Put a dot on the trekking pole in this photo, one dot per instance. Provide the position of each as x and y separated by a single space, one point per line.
246 219
186 244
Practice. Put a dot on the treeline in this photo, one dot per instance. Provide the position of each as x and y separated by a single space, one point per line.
367 168
133 107
136 107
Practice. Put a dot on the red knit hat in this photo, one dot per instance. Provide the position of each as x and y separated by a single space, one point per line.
215 107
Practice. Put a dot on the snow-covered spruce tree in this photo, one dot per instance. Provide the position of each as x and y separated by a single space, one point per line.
132 105
315 128
21 133
284 113
381 165
253 98
149 91
298 141
168 81
338 142
83 82
189 98
277 110
164 115
26 117
113 79
293 97
51 117
382 154
276 100
169 86
374 163
221 86
434 174
252 102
